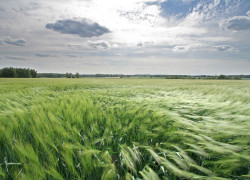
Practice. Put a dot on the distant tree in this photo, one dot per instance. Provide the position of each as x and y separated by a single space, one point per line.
33 73
50 75
238 77
27 73
222 76
69 75
77 75
9 72
18 72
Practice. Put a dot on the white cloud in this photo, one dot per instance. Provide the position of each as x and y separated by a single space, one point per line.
15 58
181 49
82 28
223 48
237 23
202 47
100 45
248 13
138 27
192 47
75 46
44 55
16 42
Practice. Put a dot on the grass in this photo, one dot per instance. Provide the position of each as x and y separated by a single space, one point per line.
124 129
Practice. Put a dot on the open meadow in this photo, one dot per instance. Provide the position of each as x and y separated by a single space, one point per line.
124 129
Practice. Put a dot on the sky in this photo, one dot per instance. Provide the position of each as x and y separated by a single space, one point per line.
192 37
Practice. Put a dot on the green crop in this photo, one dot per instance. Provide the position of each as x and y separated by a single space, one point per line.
124 129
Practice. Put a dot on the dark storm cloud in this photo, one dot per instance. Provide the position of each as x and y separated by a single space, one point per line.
82 28
238 23
14 58
44 55
16 42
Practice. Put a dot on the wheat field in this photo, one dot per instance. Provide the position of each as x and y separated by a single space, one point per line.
124 129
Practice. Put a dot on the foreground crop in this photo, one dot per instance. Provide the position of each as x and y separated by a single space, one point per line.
120 128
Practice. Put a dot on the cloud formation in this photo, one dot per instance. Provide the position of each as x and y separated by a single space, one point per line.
200 47
75 46
44 55
16 42
14 58
100 45
82 28
248 13
238 23
143 31
223 48
191 47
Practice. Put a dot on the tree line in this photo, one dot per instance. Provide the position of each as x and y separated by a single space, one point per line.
71 75
58 75
10 72
229 77
50 75
77 75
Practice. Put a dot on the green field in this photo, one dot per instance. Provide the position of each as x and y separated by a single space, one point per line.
124 129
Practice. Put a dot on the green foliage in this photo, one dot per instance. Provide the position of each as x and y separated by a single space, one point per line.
18 73
77 75
232 77
124 129
222 76
69 75
50 75
8 72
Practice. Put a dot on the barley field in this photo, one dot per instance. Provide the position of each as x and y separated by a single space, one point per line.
129 129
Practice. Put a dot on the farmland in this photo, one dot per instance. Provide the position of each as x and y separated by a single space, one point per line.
124 129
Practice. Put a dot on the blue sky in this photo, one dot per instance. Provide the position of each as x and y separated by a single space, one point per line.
128 37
